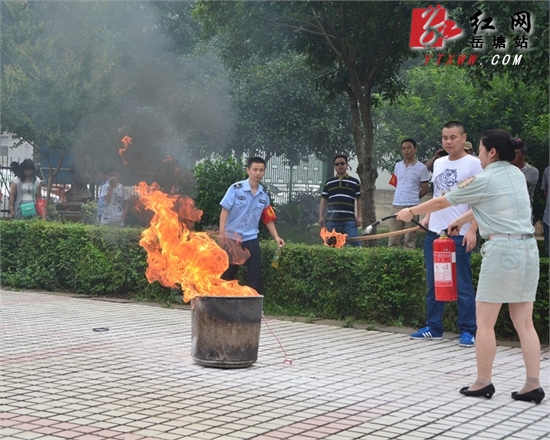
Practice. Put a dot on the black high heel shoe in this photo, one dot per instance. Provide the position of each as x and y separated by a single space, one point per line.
486 392
535 395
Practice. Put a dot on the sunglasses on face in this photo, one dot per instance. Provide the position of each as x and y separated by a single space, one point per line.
337 164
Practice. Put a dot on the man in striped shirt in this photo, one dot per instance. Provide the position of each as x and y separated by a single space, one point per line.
340 197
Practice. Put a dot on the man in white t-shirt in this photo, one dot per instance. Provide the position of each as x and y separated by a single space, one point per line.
412 184
448 171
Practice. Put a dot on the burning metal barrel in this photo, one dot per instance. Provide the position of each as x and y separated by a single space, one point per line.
225 330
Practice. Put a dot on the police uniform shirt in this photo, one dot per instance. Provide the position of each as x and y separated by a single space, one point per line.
499 200
245 209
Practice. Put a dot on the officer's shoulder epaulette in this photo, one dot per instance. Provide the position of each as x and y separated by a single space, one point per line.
238 185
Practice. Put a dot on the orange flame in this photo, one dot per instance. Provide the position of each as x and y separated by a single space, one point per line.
178 257
127 141
333 239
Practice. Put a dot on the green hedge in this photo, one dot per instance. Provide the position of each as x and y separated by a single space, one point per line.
377 285
382 285
72 257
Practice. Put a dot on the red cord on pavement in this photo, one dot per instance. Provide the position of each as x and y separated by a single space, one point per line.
286 360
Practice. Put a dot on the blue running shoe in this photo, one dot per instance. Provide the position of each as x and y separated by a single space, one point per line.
467 340
426 333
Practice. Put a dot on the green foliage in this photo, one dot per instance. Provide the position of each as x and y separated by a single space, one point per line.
78 76
49 82
88 213
214 176
297 219
345 45
53 213
282 112
72 256
176 19
348 322
382 285
377 285
430 103
533 69
334 284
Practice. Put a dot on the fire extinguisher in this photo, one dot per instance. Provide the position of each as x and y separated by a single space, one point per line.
445 268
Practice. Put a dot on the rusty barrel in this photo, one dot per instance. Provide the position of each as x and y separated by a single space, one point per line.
225 330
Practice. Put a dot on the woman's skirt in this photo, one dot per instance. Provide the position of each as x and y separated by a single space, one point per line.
509 271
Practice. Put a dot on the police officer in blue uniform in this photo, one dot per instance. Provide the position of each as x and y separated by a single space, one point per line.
242 208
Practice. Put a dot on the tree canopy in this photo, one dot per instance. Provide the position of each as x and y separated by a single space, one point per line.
429 101
533 70
281 111
356 48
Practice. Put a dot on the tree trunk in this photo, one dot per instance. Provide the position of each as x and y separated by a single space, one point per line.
363 135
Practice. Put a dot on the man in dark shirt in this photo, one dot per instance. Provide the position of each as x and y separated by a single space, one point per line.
338 201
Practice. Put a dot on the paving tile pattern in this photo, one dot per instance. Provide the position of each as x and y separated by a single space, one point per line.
59 379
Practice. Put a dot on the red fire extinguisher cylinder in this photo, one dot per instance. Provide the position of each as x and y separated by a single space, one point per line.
444 253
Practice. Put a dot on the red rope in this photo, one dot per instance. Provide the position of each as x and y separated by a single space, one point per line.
286 360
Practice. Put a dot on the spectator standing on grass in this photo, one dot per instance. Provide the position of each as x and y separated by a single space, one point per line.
412 184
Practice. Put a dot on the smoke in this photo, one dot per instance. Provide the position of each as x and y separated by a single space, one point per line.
171 105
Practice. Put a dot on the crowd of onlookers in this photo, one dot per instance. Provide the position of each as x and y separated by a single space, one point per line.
27 188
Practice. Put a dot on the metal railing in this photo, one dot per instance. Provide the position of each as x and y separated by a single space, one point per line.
283 180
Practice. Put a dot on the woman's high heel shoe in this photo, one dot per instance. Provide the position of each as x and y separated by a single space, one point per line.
486 392
535 395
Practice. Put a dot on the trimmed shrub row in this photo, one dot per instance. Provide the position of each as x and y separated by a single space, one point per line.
382 285
377 285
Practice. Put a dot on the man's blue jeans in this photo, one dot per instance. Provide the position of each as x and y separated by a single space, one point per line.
466 295
346 227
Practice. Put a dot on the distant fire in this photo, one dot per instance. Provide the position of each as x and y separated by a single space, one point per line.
178 257
127 141
170 160
333 239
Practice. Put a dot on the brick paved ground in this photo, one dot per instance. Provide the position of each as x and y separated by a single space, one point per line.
61 380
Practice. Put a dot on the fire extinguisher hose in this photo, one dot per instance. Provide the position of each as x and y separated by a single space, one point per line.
370 227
